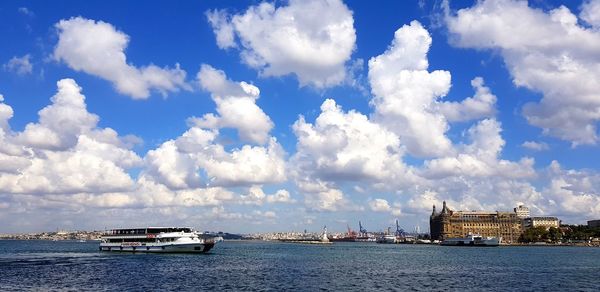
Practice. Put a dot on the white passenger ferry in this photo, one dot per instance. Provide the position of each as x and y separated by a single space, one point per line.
473 240
158 239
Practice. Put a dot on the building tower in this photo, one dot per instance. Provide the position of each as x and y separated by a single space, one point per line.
439 223
445 220
433 227
522 212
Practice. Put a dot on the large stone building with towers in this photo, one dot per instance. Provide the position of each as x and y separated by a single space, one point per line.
451 224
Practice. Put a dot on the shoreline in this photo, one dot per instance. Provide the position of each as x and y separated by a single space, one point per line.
327 243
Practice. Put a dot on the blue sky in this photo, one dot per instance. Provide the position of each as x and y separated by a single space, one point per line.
271 116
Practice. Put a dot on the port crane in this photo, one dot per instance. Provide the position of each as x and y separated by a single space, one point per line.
399 231
361 229
351 233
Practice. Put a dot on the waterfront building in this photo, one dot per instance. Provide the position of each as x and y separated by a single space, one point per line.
453 224
593 223
546 222
522 212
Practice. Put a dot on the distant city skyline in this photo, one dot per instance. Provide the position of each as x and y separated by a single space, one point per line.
268 116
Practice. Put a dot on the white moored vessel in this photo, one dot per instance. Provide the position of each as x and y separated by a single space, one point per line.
157 239
387 238
473 240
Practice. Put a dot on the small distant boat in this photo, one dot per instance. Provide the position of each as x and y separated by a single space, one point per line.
387 238
472 240
158 239
368 238
407 239
343 239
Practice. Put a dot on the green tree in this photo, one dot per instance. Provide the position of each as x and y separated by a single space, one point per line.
554 234
534 234
580 232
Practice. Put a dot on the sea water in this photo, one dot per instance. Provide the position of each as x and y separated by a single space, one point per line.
274 266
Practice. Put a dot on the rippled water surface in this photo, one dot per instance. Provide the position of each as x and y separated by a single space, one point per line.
237 266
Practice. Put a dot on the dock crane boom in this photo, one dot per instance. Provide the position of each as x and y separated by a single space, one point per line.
361 229
399 231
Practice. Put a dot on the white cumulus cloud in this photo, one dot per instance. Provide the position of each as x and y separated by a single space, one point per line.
482 105
344 147
62 122
222 27
98 48
536 146
64 161
347 146
257 196
169 166
380 205
590 13
547 52
292 39
325 200
65 152
19 65
405 93
281 196
179 163
196 158
571 192
236 105
248 165
481 158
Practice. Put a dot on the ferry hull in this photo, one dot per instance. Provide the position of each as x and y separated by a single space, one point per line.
167 248
468 244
